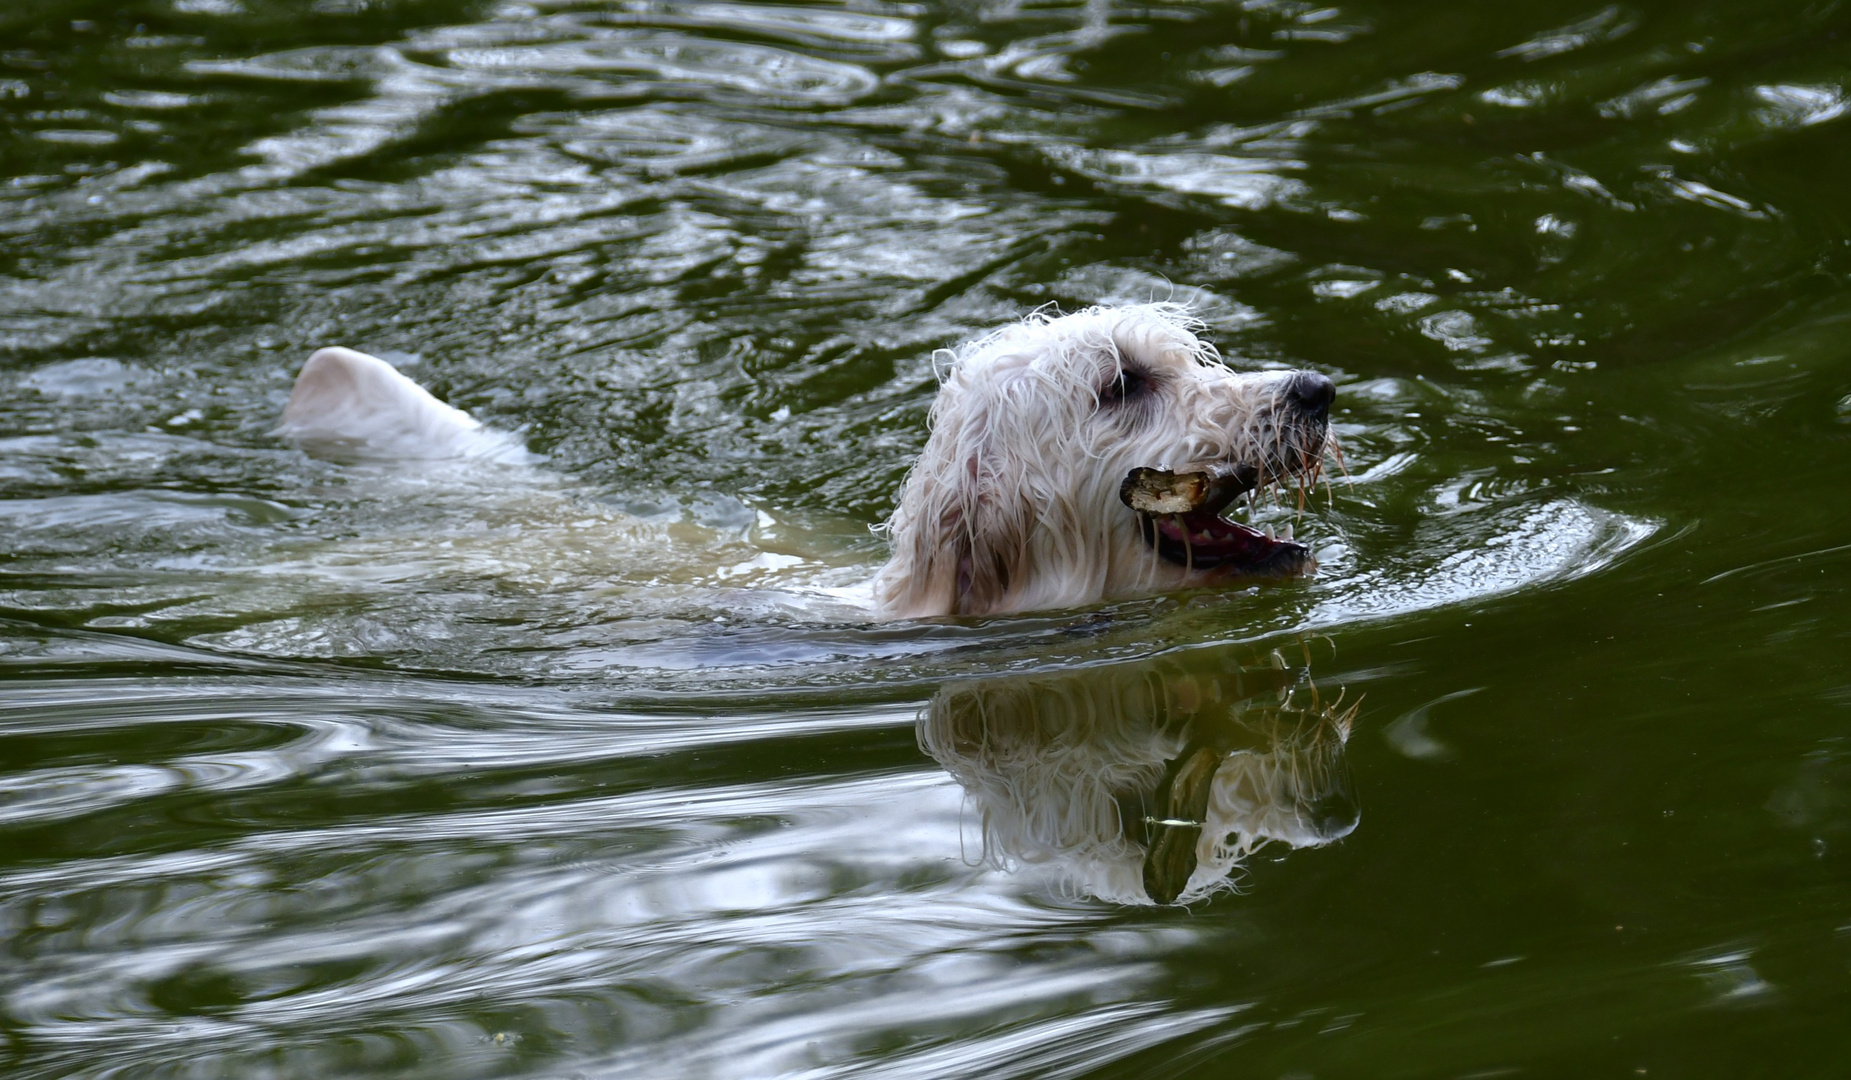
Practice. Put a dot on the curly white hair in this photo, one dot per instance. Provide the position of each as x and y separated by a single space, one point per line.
1017 502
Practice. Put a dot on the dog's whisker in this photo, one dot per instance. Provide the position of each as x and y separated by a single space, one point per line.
1333 451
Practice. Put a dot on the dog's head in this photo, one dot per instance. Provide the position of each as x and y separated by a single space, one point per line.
1025 496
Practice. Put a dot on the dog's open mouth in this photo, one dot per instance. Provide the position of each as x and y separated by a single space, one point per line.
1179 514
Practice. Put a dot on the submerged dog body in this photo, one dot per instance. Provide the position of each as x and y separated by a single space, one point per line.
1020 500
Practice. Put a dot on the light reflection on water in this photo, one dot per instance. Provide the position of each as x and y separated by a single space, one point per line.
1145 783
655 917
597 767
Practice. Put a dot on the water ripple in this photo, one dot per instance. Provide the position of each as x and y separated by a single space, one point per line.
720 894
598 767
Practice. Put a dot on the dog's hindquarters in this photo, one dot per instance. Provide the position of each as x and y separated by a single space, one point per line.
349 406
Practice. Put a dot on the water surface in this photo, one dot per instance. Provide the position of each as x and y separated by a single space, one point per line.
593 769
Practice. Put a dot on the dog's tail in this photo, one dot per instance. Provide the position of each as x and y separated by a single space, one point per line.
349 406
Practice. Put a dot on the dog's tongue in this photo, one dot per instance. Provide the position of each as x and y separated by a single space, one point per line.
1222 540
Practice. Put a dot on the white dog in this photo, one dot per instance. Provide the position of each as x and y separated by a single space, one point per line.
1021 499
1017 502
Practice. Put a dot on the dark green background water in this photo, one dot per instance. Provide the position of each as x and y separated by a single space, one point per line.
290 788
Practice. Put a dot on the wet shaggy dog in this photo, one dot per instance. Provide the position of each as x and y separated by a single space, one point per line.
1021 499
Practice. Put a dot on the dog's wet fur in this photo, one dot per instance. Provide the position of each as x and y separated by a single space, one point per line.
1017 502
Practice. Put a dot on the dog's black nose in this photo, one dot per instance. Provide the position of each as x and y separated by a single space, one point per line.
1311 392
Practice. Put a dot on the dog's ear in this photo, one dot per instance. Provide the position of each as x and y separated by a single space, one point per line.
986 533
961 532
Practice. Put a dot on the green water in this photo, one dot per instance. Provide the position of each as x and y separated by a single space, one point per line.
310 770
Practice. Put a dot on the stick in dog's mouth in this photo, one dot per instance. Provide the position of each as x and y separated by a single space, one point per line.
1179 514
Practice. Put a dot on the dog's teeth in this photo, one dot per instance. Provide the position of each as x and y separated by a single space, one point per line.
1269 533
1287 534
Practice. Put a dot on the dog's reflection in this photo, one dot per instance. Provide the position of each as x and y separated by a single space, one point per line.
1146 782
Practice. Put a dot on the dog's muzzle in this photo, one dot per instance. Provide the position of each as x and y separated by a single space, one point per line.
1180 513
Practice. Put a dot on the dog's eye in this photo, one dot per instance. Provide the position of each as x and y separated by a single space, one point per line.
1129 385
